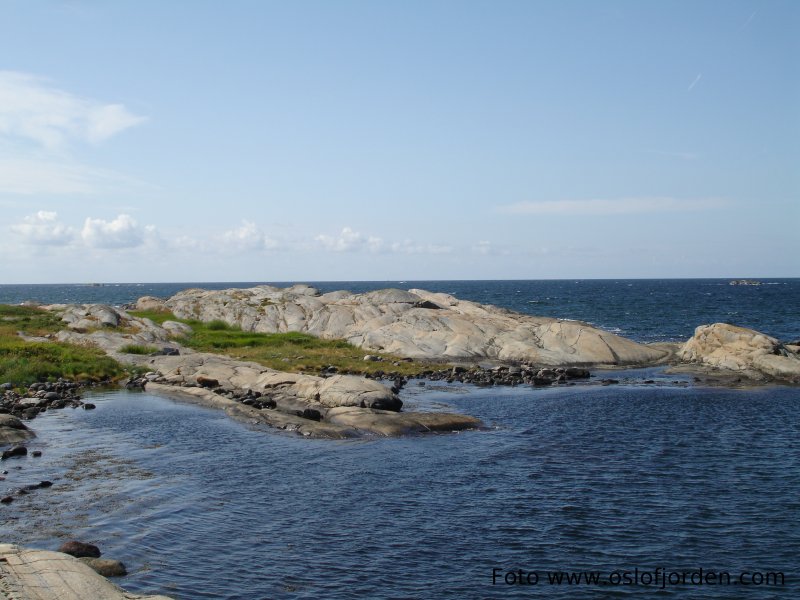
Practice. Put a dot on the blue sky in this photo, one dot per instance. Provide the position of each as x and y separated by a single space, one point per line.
250 141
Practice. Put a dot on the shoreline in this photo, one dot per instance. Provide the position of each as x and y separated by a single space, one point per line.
484 345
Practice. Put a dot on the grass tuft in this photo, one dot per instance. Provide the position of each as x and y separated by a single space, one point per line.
138 349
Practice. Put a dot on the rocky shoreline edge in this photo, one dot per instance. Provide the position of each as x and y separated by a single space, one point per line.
27 574
488 346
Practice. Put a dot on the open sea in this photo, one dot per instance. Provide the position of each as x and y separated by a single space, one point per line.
614 485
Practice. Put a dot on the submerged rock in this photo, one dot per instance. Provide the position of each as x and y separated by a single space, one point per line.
15 452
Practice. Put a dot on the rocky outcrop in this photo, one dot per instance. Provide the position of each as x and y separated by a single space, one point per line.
247 390
111 328
414 323
742 350
339 406
43 575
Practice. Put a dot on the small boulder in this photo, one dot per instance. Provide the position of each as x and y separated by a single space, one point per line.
207 382
80 549
15 451
393 404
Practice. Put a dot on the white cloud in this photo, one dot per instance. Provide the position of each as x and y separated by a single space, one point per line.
248 237
621 206
350 241
122 232
43 229
31 109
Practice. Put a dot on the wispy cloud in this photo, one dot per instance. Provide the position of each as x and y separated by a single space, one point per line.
749 20
32 109
40 128
487 248
411 247
694 83
43 175
350 240
620 206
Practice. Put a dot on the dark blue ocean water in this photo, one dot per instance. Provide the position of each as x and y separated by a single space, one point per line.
642 309
580 479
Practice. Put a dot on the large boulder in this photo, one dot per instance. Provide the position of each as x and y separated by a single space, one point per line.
413 323
747 351
150 303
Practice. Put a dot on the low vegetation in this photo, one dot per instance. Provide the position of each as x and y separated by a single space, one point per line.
23 362
138 349
294 352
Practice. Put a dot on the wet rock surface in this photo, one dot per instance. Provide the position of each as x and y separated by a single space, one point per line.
28 402
80 549
27 574
303 404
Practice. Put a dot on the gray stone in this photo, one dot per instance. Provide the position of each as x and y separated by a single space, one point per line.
746 351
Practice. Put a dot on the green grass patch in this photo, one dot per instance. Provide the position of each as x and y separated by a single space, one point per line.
293 351
23 363
28 319
138 349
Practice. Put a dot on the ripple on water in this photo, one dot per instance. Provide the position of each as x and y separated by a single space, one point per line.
199 506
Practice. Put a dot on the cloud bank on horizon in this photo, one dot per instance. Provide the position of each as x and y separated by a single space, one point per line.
308 144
